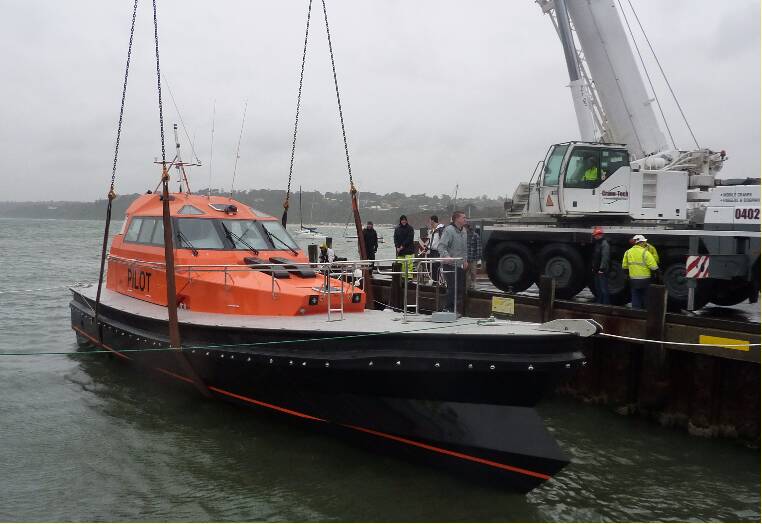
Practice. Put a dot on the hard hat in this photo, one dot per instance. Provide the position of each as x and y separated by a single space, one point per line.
639 238
597 231
323 246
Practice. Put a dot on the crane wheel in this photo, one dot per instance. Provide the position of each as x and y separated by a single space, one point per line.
565 264
512 267
729 293
674 279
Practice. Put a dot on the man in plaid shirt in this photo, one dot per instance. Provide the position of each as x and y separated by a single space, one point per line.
473 254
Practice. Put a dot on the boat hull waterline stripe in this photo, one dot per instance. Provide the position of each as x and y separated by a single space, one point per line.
395 438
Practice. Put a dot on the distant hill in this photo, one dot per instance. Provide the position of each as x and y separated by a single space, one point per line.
316 207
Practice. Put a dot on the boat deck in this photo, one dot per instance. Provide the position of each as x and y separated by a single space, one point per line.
368 321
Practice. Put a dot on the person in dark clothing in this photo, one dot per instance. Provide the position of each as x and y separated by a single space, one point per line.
435 235
404 243
601 263
371 242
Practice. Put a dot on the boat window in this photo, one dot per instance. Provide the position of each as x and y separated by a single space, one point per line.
200 233
259 213
553 165
190 210
158 233
247 231
132 232
280 237
146 230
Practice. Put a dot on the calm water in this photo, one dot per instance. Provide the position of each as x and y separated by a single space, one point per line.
86 438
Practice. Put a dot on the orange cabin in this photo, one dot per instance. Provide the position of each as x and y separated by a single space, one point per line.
229 258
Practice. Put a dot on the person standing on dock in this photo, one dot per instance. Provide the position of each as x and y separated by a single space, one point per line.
435 235
454 244
474 254
371 242
651 249
640 263
404 243
601 262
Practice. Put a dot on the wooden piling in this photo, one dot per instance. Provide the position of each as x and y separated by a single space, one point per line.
312 253
547 297
653 373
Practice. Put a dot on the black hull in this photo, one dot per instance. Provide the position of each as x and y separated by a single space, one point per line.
464 409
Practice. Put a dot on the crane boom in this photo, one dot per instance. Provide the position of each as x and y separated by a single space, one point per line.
629 116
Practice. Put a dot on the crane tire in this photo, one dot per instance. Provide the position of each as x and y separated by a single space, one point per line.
512 267
729 293
673 276
565 264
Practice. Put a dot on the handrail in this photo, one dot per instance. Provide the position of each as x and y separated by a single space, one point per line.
338 270
356 264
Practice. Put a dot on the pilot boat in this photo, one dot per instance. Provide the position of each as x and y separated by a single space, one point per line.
263 327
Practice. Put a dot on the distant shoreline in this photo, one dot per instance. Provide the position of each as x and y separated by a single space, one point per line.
325 209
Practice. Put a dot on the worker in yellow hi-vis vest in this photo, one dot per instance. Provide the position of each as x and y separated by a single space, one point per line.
639 262
651 249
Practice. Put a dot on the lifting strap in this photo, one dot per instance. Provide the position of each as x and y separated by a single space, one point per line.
111 192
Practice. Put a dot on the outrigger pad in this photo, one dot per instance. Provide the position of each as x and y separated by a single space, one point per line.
302 270
265 268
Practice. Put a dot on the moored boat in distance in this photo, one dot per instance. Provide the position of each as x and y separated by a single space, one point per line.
262 326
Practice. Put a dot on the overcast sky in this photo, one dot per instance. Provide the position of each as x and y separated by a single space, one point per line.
435 93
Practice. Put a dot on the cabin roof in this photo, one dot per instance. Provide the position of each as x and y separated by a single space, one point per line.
151 205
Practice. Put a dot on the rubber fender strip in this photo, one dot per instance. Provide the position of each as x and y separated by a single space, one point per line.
104 346
457 454
265 404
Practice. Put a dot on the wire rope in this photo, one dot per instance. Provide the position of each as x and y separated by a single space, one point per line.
664 75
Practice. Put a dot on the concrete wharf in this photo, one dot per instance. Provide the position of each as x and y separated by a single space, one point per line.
708 383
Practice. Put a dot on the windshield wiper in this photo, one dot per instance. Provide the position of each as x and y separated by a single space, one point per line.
184 239
232 236
272 236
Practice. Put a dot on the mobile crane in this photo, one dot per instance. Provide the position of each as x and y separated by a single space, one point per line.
639 184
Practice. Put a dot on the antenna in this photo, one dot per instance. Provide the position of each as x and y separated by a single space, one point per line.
185 130
211 150
238 149
180 165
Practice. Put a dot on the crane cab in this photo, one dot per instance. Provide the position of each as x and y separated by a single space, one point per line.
581 178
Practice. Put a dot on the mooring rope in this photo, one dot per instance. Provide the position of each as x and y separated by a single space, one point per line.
33 290
701 344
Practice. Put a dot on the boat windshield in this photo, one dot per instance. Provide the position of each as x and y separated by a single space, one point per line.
280 237
246 232
198 233
213 233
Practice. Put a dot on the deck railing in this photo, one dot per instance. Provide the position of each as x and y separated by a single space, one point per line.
348 272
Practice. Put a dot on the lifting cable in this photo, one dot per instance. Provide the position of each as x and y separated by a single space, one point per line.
111 192
648 76
284 218
663 74
338 100
169 260
352 190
